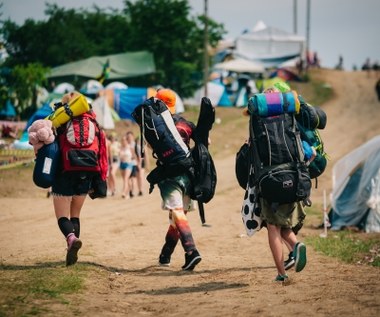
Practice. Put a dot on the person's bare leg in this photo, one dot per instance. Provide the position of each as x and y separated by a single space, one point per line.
275 244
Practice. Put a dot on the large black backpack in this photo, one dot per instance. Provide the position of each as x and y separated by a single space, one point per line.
280 173
158 129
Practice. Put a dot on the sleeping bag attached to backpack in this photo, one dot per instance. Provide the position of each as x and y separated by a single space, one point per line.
310 119
280 173
158 129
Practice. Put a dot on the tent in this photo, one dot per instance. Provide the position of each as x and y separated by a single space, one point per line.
63 88
8 110
103 113
124 65
268 45
116 85
124 101
285 74
241 66
91 87
355 197
216 92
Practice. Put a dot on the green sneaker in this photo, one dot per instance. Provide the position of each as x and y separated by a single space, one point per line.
281 278
300 256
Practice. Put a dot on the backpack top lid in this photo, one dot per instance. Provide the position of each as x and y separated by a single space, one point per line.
274 103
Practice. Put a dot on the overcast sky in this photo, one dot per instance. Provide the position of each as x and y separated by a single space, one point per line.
349 28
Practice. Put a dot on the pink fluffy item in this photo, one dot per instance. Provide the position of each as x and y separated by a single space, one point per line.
40 133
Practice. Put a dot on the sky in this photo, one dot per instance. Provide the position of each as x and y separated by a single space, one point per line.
349 28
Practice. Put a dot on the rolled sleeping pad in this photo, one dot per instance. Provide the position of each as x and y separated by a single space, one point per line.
76 107
272 104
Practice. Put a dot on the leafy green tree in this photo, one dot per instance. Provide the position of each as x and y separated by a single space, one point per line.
177 41
163 27
24 82
66 36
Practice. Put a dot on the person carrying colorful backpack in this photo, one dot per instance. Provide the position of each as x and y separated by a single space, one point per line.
82 170
156 117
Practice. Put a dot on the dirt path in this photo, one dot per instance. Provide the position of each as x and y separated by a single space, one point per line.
122 239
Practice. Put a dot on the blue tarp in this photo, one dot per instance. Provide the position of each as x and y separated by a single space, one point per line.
41 113
9 110
126 100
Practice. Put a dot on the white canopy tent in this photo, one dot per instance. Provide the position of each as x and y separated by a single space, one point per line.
241 66
269 45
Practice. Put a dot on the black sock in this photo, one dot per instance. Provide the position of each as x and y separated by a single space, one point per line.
76 224
66 226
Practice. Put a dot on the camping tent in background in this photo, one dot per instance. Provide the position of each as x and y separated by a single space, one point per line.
116 85
241 66
124 65
285 74
355 197
8 111
91 87
126 100
63 88
268 45
217 94
103 113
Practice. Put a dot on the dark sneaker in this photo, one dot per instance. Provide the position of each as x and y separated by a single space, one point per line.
164 260
191 260
289 263
300 256
73 246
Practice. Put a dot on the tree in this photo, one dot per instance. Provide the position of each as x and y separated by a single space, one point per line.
66 36
24 82
164 28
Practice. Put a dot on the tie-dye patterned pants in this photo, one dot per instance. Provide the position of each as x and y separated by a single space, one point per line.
175 198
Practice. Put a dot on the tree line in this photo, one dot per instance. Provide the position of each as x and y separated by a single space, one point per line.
162 27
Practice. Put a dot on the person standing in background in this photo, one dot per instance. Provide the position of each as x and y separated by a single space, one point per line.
114 162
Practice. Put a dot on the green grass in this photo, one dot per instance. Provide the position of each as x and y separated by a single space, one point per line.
349 247
31 291
353 247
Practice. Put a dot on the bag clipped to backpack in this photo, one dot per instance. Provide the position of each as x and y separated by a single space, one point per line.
310 119
243 165
280 173
205 178
47 159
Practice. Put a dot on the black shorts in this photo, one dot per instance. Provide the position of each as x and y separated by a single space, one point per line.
72 183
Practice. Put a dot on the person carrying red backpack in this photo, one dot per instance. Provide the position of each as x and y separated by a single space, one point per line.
82 170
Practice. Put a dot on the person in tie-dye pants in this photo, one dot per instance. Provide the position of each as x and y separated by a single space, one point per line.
175 197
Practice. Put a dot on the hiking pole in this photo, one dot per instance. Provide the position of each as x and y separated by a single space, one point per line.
325 217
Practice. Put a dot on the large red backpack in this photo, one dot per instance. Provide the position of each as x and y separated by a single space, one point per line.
83 145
